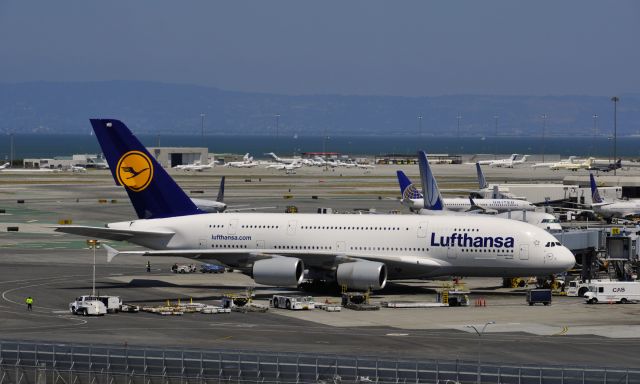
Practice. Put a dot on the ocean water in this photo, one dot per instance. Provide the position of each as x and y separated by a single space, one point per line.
48 145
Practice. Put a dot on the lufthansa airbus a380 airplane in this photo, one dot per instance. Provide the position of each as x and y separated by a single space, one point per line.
359 251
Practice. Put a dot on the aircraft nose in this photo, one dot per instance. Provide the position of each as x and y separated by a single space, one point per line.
565 259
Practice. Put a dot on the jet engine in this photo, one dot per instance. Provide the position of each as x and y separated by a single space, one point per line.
279 271
362 275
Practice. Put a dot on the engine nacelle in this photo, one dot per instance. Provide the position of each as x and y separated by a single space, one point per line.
279 271
362 275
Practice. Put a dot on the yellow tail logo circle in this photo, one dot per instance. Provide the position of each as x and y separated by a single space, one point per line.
134 171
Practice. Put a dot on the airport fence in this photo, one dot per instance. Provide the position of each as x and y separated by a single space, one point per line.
38 363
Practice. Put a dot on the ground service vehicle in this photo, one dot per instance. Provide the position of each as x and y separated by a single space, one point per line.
184 268
542 296
212 268
88 306
580 287
293 302
613 291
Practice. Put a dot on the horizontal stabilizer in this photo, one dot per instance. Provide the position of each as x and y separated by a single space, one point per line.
109 233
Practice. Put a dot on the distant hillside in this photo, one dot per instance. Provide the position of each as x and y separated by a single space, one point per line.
149 107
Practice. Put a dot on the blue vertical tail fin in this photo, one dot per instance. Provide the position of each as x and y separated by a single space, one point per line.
151 190
595 195
220 197
482 182
432 198
408 190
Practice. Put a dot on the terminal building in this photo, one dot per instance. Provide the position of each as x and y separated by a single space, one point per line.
65 162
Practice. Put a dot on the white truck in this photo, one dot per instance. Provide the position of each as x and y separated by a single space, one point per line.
613 291
580 287
292 302
88 306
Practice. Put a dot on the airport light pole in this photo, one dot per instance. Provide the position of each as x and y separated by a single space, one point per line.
615 100
277 116
495 118
479 333
459 117
202 123
93 243
11 152
595 131
419 125
544 129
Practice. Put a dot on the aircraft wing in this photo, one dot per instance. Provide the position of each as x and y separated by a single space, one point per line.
246 257
109 233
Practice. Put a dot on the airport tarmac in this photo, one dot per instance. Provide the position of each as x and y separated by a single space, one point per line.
55 268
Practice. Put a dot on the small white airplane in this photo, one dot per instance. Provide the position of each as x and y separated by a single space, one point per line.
77 169
282 160
247 162
197 166
357 251
365 166
611 209
5 165
573 166
505 163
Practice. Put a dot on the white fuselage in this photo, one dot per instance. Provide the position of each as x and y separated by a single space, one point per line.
618 209
460 205
408 244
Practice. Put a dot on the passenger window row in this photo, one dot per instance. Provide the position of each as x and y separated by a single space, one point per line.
352 228
388 249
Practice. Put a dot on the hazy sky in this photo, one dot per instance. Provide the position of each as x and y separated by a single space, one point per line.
376 47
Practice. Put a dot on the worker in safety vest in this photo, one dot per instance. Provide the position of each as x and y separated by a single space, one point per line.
29 301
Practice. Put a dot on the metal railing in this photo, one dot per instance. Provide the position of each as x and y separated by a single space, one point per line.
41 363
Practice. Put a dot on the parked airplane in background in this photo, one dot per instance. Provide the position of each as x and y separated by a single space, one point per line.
606 167
282 160
212 206
505 163
573 166
611 209
247 162
413 199
196 166
5 165
27 170
437 205
77 168
358 251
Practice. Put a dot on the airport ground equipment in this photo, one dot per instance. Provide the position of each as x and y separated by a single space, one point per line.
88 306
113 303
358 301
539 296
613 292
212 268
292 302
454 297
577 288
184 268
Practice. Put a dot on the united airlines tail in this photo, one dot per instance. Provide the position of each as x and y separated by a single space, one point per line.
220 198
482 182
408 190
432 198
595 195
151 190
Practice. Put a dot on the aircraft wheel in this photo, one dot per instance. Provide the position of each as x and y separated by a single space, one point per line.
288 304
623 301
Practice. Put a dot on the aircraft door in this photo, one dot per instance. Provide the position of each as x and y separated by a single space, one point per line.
233 225
291 227
340 246
422 229
203 243
260 244
451 253
524 252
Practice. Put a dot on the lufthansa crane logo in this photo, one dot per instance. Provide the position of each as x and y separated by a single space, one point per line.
135 171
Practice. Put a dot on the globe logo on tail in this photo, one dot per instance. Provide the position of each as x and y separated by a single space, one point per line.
134 171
